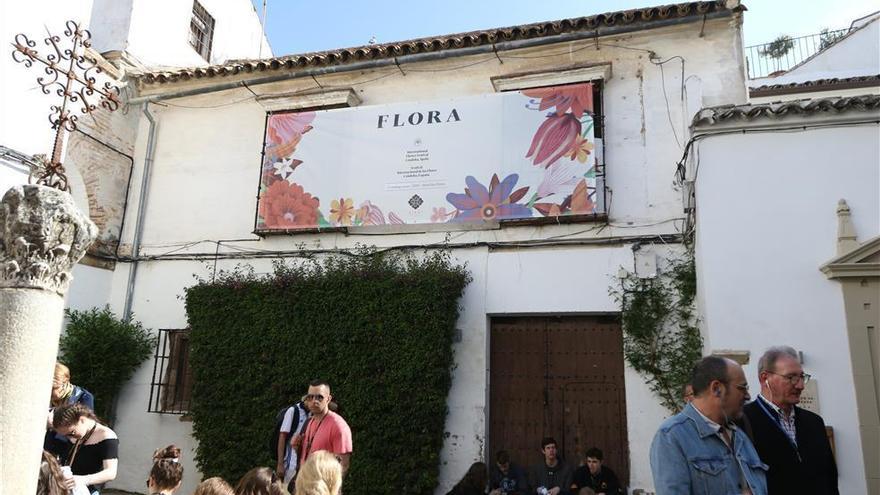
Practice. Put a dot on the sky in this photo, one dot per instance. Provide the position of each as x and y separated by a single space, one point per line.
299 26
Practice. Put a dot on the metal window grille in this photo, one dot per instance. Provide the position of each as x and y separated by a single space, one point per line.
201 30
171 387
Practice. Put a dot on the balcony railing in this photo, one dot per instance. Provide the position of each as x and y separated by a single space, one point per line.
785 52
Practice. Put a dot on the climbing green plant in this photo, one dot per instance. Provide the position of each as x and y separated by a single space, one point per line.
661 340
378 327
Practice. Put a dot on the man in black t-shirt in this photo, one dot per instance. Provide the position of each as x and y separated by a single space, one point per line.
506 478
596 476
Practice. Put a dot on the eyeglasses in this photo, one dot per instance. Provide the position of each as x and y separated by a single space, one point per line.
317 397
794 379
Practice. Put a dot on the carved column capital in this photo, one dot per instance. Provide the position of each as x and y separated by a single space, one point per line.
42 236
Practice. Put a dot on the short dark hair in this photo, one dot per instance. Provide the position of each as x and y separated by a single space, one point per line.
502 457
318 383
594 452
706 371
547 441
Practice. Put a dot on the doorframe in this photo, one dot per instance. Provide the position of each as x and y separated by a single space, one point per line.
488 451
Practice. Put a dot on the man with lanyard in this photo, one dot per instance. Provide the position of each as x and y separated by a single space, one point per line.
325 430
699 451
791 440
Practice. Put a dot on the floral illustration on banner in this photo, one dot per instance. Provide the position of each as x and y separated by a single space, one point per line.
565 133
497 202
285 205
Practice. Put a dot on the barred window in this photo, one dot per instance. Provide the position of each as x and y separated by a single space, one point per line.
171 387
201 30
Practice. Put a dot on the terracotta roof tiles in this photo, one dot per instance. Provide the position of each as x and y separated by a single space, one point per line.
342 56
779 110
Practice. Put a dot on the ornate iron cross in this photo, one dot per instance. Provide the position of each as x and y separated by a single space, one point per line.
72 76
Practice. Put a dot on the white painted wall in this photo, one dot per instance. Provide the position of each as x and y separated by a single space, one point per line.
205 178
766 221
156 32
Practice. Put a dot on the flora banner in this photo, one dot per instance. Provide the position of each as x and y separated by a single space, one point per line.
503 156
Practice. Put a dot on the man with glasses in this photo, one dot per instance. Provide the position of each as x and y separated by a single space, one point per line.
791 440
325 430
700 451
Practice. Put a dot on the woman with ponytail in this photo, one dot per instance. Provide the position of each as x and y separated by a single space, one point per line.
167 472
320 475
94 448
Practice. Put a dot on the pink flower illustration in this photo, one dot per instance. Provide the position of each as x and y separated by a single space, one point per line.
560 178
497 202
283 133
554 139
575 97
369 214
394 219
284 127
439 215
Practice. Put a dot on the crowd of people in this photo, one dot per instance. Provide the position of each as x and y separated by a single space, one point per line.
551 476
80 453
719 443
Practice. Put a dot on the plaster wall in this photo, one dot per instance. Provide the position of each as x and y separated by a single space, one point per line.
159 32
766 222
205 176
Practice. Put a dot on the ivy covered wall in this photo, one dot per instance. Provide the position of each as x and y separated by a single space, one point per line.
378 328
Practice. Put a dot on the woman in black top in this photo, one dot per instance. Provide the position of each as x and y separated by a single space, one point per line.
94 448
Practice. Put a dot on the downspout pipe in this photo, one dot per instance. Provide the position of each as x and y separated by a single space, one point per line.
141 211
431 56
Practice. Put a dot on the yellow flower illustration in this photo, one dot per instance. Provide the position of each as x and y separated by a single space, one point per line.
580 149
341 211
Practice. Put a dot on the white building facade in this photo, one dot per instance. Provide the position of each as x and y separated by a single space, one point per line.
198 142
768 181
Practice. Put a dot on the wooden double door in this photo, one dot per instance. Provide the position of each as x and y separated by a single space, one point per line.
560 377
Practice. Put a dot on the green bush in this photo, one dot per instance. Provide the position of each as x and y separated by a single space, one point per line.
103 352
378 328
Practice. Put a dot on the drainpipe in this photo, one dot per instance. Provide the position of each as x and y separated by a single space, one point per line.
141 211
431 56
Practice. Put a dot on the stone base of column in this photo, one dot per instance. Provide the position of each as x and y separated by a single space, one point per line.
30 324
42 235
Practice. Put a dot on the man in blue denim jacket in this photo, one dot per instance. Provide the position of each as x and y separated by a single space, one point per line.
699 451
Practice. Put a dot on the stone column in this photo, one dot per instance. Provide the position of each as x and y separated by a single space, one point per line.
42 236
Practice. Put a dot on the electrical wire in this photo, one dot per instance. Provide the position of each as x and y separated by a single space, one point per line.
358 251
587 45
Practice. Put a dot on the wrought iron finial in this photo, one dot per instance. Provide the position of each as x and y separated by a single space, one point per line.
72 75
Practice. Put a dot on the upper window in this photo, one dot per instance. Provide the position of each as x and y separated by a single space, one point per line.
201 30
